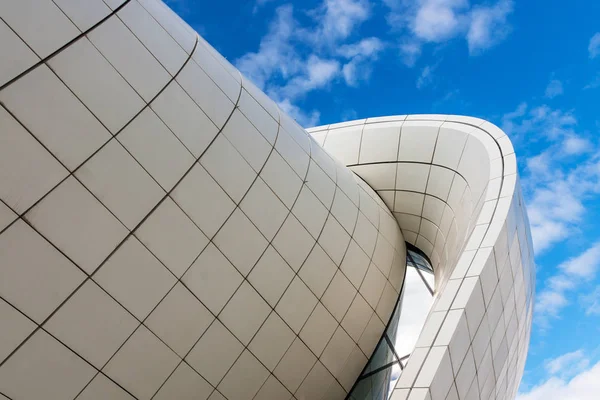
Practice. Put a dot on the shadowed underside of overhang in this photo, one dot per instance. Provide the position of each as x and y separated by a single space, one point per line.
452 184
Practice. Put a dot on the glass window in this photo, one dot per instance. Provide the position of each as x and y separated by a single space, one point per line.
382 356
379 377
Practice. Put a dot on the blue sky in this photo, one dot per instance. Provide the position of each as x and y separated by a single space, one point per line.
531 67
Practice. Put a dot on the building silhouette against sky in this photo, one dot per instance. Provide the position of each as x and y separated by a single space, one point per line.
167 232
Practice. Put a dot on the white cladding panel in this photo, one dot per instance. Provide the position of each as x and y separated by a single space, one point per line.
167 232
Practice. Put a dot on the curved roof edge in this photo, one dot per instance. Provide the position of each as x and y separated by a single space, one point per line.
452 184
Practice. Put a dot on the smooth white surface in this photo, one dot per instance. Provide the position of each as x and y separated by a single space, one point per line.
21 56
95 82
55 116
27 170
445 196
218 222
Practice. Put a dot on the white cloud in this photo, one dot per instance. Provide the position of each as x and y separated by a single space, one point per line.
317 74
574 145
568 364
594 46
591 302
554 88
361 56
508 119
349 115
554 208
571 273
584 385
296 58
426 77
410 52
594 83
435 21
367 47
276 56
489 26
539 165
439 20
339 18
583 266
557 180
556 190
548 301
306 119
350 73
428 20
550 123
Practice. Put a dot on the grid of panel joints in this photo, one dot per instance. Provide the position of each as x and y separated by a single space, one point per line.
430 218
416 234
513 264
483 323
3 226
513 353
18 223
452 120
386 346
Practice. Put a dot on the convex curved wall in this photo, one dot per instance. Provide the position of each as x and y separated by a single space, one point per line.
452 184
167 232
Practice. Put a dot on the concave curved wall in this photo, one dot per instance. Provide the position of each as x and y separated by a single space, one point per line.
452 184
166 231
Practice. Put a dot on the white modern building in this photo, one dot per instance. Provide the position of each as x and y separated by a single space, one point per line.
167 232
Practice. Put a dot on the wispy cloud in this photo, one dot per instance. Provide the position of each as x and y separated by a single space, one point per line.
575 145
359 59
541 120
594 45
316 74
305 118
558 179
557 182
591 302
348 115
554 211
580 382
294 58
367 47
439 20
410 51
426 77
594 83
436 21
489 26
570 275
258 4
568 364
337 19
276 55
554 88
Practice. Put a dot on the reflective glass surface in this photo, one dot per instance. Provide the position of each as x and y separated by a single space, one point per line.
382 356
373 387
379 377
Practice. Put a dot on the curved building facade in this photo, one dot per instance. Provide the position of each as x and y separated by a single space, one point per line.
451 183
167 232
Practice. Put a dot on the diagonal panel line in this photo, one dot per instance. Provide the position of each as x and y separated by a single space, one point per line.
63 47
